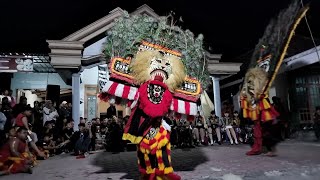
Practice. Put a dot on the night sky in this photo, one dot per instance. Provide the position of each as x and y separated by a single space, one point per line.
230 27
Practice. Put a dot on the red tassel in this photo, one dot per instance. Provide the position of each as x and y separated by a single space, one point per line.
104 97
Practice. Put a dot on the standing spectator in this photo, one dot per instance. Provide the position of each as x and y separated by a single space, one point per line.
316 123
111 111
115 135
94 135
49 112
282 126
19 108
64 110
7 111
70 108
5 93
13 99
38 118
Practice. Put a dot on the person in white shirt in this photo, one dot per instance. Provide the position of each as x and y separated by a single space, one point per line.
49 112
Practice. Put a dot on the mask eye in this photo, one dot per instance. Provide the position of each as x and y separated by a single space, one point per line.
167 64
158 60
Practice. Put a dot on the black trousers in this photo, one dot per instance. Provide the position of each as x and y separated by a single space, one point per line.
82 144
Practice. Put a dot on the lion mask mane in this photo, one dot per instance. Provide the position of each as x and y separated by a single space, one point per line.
147 64
254 83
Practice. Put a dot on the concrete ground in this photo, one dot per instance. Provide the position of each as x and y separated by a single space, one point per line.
295 160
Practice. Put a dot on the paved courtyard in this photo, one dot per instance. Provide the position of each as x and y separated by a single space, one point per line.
296 160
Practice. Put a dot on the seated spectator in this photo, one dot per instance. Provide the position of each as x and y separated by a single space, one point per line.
80 140
67 134
15 155
48 130
48 146
22 121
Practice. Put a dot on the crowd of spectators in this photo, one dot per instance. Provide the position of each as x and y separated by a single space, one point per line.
45 130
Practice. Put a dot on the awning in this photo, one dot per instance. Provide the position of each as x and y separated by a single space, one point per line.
120 90
184 107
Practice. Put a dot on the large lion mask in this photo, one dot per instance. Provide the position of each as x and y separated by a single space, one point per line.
153 64
254 84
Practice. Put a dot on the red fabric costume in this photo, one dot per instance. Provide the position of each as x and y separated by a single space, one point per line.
10 164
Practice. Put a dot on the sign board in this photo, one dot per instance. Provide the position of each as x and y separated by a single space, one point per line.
9 64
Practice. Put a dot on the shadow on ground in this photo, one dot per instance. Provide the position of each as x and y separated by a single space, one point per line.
126 162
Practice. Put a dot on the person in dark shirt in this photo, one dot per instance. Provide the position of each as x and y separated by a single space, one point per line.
7 111
19 108
38 118
48 130
115 136
80 140
111 111
48 146
316 123
67 135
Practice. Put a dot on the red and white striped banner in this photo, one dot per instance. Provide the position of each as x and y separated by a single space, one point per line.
131 93
120 90
184 107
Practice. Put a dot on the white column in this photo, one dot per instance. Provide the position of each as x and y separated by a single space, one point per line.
216 95
76 100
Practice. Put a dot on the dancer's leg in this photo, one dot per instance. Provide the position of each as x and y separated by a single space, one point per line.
257 146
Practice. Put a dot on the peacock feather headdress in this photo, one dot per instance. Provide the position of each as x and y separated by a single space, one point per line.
272 47
129 31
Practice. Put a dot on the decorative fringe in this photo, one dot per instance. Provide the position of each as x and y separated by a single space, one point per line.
133 139
154 146
263 111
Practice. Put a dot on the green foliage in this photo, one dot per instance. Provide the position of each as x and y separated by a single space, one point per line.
123 39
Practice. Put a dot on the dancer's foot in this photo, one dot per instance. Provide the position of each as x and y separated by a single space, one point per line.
219 142
251 153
